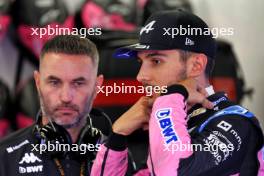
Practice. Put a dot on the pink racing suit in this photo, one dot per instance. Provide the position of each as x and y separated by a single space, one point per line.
168 132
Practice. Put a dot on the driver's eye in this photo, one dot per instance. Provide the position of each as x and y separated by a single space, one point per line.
156 61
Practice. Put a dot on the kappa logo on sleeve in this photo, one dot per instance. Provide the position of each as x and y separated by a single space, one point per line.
166 125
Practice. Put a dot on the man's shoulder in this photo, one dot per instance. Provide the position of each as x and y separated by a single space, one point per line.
227 115
236 119
240 114
17 139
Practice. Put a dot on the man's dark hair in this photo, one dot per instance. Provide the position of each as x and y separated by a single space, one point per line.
71 44
184 55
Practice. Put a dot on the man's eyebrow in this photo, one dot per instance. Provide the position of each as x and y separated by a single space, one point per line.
79 79
155 54
51 77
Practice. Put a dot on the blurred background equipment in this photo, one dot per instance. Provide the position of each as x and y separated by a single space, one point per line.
39 14
227 75
5 18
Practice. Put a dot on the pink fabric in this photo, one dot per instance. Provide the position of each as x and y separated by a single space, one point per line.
35 42
142 172
116 162
167 123
261 162
94 16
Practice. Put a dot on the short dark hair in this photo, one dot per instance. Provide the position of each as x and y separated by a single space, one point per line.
71 44
184 55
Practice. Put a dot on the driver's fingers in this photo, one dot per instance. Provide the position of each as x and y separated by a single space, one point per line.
202 91
152 99
207 104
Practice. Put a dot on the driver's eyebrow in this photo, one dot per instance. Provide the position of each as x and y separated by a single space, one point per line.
155 55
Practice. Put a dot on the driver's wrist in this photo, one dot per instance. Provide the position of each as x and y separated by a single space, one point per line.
177 88
117 142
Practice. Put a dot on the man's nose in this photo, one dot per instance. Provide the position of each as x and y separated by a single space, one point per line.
66 94
143 75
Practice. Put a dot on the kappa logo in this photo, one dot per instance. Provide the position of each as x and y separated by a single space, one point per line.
148 27
29 158
189 42
224 125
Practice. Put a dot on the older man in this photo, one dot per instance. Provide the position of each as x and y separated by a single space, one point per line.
63 140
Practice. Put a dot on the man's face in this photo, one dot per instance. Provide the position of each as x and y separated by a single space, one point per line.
67 87
161 68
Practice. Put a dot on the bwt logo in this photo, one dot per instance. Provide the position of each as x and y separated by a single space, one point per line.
166 125
30 169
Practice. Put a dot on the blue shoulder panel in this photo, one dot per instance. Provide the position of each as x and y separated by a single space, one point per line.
231 110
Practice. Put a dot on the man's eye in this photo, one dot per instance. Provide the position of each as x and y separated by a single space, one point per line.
54 83
156 61
77 84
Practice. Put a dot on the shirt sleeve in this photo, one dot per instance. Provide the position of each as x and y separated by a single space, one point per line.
167 129
112 158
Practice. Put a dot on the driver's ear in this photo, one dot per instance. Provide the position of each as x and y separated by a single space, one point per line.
196 65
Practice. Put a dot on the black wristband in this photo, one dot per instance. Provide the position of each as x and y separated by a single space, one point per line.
116 142
177 88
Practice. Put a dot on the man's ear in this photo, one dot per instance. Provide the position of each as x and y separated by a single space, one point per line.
99 82
196 65
37 79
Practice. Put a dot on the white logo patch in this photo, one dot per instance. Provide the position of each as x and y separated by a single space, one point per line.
148 27
13 148
30 169
189 42
29 158
224 125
